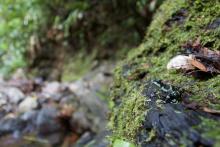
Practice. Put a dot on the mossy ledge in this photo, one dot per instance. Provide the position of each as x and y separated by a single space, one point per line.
176 23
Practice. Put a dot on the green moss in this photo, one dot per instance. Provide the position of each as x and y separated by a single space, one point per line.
175 38
207 125
161 43
129 115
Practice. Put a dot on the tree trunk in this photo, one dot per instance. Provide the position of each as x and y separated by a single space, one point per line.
159 107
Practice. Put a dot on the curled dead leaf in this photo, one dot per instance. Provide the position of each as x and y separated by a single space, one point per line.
198 64
197 57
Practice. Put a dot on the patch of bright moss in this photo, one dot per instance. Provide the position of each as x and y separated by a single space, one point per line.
129 115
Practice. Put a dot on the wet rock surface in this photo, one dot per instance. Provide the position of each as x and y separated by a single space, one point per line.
167 121
44 113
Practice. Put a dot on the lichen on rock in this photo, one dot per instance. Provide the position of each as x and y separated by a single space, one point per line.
176 23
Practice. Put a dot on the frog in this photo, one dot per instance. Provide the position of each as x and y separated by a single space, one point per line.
159 90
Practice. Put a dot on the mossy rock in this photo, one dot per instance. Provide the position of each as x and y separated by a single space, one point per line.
150 100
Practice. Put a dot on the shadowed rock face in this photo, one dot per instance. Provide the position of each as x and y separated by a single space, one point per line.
167 121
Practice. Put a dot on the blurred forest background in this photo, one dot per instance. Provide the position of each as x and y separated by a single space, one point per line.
56 65
45 35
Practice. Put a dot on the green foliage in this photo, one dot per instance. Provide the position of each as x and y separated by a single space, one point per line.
85 24
18 19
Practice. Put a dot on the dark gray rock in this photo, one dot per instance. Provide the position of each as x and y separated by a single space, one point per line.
30 118
168 119
11 125
46 121
80 123
14 94
48 126
84 139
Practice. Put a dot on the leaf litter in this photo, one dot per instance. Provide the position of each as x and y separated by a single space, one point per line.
200 62
196 57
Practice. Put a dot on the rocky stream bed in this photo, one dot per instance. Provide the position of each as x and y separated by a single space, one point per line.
40 113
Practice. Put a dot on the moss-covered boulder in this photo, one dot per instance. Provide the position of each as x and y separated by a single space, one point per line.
159 107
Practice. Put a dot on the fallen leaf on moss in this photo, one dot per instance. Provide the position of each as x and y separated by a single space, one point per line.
205 59
198 64
197 58
208 110
196 48
191 105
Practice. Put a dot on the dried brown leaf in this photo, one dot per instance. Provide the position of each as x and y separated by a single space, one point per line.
198 64
208 110
204 59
